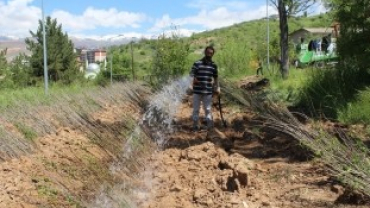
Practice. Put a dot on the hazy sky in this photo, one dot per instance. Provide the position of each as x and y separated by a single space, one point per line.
133 18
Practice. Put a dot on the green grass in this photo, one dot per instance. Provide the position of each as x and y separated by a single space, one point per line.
36 95
357 111
286 90
28 132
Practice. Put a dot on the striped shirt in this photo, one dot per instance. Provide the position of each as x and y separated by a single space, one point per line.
204 72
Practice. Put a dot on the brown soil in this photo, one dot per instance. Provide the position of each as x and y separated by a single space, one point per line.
247 169
68 168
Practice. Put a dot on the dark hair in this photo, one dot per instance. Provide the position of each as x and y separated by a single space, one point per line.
209 47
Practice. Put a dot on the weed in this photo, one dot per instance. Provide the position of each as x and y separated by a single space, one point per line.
46 190
28 132
73 202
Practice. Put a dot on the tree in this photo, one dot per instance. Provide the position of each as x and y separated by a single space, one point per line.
352 19
3 61
286 9
170 57
61 59
353 16
20 71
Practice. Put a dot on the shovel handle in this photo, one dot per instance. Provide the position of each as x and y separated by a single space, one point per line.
220 107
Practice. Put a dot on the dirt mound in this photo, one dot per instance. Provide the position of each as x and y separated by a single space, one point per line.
199 175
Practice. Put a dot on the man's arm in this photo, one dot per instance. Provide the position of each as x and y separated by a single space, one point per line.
216 84
193 80
193 73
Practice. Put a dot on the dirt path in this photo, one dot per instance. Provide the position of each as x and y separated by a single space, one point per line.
246 170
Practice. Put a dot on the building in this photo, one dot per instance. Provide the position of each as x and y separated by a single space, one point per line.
91 57
309 33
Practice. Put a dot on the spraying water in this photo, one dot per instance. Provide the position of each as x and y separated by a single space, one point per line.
159 119
163 108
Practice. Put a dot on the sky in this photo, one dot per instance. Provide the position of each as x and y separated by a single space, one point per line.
129 18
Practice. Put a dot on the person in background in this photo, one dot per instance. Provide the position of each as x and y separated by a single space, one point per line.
204 84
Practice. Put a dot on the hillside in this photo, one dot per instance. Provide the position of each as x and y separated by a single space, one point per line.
245 41
248 35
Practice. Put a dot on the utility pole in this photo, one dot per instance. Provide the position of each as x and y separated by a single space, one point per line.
132 62
45 51
268 34
111 69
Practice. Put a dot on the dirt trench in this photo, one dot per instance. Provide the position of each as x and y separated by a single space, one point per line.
247 169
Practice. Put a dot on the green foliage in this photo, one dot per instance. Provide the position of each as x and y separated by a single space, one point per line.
102 78
21 72
234 58
3 62
28 132
357 111
287 90
328 92
170 57
61 59
322 94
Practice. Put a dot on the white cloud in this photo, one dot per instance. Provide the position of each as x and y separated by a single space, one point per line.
216 18
318 8
213 4
18 17
93 18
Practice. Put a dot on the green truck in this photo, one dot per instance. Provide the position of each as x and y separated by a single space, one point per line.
316 57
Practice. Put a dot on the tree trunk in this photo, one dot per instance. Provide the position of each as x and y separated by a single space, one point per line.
284 41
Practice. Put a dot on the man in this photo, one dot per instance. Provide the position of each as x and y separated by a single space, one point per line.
204 74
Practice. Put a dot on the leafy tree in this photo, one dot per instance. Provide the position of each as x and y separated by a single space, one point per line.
353 44
170 57
331 91
61 59
3 62
20 71
235 56
286 9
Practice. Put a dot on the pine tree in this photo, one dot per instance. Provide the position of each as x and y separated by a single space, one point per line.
3 62
61 59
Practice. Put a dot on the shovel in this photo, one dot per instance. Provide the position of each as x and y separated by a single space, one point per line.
220 107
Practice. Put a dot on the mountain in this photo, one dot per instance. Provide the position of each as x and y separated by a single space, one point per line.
92 43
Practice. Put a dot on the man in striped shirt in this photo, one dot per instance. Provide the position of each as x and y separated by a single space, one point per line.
205 82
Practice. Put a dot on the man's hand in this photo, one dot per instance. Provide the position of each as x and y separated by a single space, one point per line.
189 91
217 91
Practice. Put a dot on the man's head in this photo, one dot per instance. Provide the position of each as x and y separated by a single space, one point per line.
208 52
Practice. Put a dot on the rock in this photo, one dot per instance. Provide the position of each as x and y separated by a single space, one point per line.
265 203
338 189
210 202
198 194
176 188
215 134
194 155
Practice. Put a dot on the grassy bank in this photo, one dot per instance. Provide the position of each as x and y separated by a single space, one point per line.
82 145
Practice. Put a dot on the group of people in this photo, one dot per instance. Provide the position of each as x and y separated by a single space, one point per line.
323 44
320 44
